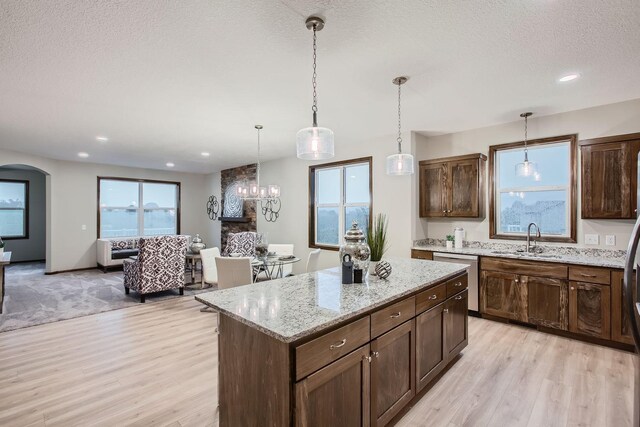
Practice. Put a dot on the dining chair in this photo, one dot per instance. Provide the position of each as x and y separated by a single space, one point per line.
234 272
209 269
312 261
283 249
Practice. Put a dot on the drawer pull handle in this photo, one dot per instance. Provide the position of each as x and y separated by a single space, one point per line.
338 345
458 284
588 275
376 354
433 297
394 315
459 297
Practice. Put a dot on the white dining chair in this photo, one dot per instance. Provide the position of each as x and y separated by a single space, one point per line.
312 261
209 269
283 249
234 272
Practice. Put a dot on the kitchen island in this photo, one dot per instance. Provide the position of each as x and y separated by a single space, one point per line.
5 259
307 350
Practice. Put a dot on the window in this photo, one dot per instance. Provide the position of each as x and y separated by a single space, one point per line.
546 198
339 193
14 209
137 207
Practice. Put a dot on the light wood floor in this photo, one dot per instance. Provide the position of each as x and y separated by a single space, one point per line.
155 364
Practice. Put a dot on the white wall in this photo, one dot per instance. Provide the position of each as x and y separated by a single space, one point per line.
613 119
392 195
72 204
33 248
211 230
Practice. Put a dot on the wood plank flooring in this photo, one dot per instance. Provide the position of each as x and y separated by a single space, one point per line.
156 364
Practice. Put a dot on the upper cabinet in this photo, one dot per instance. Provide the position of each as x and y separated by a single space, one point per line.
452 187
609 176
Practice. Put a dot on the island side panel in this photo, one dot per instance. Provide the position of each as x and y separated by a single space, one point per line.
254 373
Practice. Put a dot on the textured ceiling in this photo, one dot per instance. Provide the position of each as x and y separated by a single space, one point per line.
166 80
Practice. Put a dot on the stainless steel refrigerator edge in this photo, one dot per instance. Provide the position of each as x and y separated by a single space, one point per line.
472 262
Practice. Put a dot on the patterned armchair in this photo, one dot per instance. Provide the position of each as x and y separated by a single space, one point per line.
242 243
159 266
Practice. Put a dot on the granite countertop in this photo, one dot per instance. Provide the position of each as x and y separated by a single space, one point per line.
295 307
559 254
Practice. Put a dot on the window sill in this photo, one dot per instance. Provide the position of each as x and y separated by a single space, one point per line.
324 247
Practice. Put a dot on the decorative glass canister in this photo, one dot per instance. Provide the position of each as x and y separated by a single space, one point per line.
197 244
355 244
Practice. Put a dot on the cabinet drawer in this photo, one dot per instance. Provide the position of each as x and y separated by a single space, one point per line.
420 254
526 267
430 298
388 318
329 347
457 284
590 274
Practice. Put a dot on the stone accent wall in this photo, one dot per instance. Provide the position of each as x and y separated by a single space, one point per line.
229 177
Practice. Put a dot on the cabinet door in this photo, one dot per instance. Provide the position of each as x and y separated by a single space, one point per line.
607 180
548 301
620 319
393 380
502 295
430 351
463 189
433 190
590 309
337 394
456 324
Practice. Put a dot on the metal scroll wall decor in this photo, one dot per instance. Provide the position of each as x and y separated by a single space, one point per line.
213 208
271 208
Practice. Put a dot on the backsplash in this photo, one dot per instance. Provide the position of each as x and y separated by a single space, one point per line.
547 249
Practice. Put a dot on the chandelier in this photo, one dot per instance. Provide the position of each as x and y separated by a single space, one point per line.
269 197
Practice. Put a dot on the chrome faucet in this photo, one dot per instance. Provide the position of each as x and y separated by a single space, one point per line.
529 235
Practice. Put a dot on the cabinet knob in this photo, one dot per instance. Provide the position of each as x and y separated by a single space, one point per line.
444 211
446 310
366 358
375 354
515 280
459 297
433 297
573 289
458 284
394 315
338 345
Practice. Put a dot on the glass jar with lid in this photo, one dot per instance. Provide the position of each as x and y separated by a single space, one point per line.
355 244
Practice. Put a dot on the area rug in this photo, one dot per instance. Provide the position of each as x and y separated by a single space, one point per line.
33 298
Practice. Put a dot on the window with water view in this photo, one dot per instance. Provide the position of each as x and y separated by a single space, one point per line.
138 208
340 195
13 209
544 197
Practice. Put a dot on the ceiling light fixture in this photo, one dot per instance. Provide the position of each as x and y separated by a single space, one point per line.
568 78
269 197
102 138
526 168
205 154
170 165
400 164
314 143
83 155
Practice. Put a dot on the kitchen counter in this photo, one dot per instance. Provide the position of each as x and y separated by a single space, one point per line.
296 307
558 254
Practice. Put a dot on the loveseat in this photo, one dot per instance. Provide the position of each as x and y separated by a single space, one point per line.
111 252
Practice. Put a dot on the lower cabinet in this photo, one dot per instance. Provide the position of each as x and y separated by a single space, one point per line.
331 394
502 295
590 309
456 324
393 380
547 301
620 319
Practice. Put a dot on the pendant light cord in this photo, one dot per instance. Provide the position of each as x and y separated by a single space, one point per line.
314 108
399 123
526 156
258 165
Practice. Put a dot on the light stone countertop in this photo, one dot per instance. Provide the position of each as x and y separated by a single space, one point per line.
550 254
295 307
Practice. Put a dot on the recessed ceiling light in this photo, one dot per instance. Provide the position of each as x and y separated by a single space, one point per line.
83 154
568 77
102 138
205 154
170 165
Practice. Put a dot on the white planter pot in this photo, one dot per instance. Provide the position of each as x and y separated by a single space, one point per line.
449 244
372 268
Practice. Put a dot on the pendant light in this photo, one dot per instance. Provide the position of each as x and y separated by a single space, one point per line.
400 164
526 168
314 143
269 197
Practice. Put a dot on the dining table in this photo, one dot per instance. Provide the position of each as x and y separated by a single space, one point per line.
272 265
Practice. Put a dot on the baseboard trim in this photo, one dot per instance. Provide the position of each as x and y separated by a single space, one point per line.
48 273
26 261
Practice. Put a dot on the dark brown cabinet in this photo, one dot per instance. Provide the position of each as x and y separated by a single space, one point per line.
333 392
393 381
452 187
620 319
547 301
430 347
590 309
502 295
456 326
608 175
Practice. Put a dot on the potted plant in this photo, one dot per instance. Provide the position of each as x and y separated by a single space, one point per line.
377 237
450 239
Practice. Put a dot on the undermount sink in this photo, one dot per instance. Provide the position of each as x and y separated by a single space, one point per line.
525 254
504 253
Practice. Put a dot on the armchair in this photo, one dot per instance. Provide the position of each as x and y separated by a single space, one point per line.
159 266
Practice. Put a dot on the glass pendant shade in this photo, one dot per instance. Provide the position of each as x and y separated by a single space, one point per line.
400 164
253 189
526 168
274 191
315 143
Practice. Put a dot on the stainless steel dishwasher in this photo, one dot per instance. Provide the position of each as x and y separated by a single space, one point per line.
472 262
